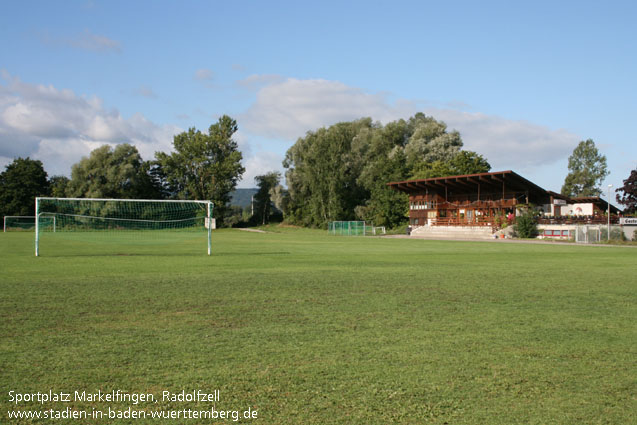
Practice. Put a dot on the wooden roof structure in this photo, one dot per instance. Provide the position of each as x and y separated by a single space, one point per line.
498 181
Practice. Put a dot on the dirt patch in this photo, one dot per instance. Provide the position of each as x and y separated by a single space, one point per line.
251 230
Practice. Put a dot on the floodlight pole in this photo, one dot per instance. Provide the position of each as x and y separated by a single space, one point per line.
609 186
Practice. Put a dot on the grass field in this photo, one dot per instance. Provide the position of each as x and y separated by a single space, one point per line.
307 328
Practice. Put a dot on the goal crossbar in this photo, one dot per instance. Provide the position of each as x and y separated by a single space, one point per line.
123 200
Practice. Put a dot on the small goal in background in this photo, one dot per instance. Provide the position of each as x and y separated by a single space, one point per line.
354 228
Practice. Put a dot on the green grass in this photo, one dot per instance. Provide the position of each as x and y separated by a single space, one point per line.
314 329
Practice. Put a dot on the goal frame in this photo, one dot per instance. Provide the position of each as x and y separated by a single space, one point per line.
208 221
331 227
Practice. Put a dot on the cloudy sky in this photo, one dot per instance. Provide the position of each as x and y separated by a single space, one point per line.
523 82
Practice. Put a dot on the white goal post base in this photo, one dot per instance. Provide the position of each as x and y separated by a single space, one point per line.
139 216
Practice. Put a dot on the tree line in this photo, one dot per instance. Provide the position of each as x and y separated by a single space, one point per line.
202 166
341 172
333 173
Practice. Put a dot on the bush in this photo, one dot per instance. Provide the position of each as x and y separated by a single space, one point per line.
526 225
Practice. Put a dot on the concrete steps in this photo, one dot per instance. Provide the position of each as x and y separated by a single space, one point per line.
452 232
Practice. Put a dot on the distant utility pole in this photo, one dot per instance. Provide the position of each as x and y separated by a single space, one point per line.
252 206
609 187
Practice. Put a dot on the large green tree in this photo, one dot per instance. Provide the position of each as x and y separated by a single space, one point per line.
323 169
430 141
384 161
587 170
341 172
58 185
111 172
203 166
263 199
464 162
20 183
628 196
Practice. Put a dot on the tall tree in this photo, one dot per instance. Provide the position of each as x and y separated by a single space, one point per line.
587 170
263 198
322 175
58 186
629 193
111 173
203 166
464 162
20 183
341 172
384 161
429 141
469 162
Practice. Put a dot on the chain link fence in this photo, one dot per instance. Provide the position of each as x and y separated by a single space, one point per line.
599 233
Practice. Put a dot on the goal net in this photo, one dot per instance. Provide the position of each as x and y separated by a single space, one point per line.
349 228
122 223
598 233
26 223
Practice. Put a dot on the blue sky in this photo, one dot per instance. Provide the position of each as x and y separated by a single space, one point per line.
523 82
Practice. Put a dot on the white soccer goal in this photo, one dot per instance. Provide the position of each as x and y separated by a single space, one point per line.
24 223
588 234
350 228
93 220
378 230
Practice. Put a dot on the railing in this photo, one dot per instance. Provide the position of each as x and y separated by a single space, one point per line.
490 221
574 219
465 203
455 221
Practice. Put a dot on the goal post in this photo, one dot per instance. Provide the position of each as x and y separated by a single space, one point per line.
95 220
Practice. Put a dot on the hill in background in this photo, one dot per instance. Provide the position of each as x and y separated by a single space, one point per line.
242 197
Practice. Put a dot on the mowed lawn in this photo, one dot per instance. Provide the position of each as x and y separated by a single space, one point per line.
307 328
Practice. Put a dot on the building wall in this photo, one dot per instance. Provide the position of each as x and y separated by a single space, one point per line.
582 209
556 231
551 210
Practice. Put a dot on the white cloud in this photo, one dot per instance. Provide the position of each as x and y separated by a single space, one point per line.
508 144
243 141
290 108
259 164
287 109
59 127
